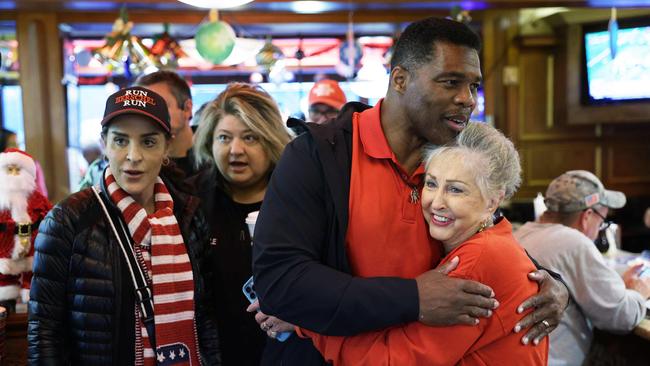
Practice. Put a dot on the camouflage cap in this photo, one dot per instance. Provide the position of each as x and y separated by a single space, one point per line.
577 190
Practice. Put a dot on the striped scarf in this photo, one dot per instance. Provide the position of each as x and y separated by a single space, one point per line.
161 252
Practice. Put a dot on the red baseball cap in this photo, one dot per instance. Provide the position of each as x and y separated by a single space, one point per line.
327 92
138 100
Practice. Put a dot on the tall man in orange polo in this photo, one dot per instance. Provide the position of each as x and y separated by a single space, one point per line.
345 197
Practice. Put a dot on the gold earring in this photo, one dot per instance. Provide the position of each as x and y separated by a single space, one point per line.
165 161
483 226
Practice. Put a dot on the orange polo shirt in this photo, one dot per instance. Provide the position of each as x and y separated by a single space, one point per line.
387 234
492 257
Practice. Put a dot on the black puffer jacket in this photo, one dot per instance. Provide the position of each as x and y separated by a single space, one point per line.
82 306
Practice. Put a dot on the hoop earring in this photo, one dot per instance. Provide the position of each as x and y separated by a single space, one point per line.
165 161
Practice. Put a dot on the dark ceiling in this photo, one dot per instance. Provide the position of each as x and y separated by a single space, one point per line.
288 5
278 18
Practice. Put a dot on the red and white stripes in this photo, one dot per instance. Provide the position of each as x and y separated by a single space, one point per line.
161 251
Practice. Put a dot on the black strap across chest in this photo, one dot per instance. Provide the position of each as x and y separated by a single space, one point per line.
143 292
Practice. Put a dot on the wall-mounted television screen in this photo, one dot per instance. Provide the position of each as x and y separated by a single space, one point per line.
625 77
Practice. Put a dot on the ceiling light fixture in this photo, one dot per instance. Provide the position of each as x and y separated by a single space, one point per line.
311 7
216 4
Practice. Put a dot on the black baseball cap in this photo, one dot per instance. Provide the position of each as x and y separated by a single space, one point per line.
138 100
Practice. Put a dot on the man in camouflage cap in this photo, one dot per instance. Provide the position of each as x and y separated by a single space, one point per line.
578 190
562 240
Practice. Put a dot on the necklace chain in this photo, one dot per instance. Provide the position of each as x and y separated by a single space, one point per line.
415 194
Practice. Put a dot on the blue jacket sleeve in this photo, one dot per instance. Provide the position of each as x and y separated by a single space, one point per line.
291 238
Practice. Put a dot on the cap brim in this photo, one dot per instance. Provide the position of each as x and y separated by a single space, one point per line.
613 199
327 101
120 112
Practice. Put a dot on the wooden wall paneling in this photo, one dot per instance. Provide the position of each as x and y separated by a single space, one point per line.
512 107
498 28
41 68
538 118
488 30
539 97
533 93
543 161
628 162
632 130
548 147
494 48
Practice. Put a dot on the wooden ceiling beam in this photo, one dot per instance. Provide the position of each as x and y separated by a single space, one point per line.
243 17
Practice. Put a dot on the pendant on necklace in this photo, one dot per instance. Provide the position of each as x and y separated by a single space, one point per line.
414 195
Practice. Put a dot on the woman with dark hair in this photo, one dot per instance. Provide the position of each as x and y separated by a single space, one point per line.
119 270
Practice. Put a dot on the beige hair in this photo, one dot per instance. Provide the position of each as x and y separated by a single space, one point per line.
254 108
490 154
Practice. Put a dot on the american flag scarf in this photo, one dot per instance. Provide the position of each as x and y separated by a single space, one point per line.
161 252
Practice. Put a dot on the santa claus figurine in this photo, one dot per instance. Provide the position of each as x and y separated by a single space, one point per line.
22 208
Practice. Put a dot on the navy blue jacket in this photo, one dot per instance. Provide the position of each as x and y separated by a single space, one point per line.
82 301
301 269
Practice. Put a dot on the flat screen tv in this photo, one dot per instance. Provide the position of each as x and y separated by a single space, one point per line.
623 78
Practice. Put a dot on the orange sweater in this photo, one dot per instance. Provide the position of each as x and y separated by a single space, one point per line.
492 257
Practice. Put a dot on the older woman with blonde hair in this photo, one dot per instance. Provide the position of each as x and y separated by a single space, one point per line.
464 184
241 135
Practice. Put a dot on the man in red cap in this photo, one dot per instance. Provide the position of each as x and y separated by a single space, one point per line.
22 207
325 101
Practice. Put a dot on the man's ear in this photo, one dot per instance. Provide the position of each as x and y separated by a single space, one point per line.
187 110
583 220
399 78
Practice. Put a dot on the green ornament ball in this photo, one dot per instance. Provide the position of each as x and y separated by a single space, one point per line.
215 41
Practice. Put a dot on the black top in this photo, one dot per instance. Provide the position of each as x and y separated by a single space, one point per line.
243 341
186 164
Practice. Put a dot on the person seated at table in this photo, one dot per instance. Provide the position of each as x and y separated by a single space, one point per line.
464 184
563 240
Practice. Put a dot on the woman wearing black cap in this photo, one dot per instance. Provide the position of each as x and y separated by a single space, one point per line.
118 271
